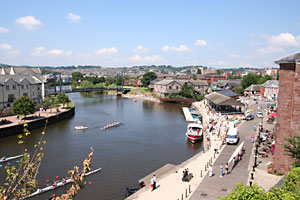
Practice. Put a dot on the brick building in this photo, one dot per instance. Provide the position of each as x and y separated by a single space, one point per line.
288 117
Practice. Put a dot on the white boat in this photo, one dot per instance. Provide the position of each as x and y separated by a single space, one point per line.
83 127
194 132
236 152
112 125
4 159
59 184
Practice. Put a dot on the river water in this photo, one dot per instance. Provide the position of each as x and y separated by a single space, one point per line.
153 135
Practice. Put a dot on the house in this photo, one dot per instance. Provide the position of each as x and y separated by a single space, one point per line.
228 93
200 86
252 91
168 86
224 104
16 82
225 84
269 89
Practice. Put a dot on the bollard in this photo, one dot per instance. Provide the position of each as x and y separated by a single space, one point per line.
181 196
250 183
253 169
185 193
205 167
189 188
201 174
214 155
255 165
252 176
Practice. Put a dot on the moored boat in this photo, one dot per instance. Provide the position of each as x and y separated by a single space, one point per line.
4 159
83 127
194 132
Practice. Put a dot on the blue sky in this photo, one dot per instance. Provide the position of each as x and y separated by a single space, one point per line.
231 33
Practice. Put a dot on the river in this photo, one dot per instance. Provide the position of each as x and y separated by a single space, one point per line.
153 135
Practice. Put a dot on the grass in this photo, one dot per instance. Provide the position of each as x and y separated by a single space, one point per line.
70 105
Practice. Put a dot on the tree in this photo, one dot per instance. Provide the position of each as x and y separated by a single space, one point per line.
62 98
47 102
239 90
219 71
187 91
86 84
249 79
76 76
199 71
147 78
277 75
263 79
23 106
193 76
293 149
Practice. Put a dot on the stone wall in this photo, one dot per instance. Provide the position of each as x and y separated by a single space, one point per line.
288 118
38 123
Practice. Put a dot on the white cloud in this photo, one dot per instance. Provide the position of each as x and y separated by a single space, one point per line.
42 51
181 48
270 49
233 55
3 30
29 23
105 51
201 43
284 40
140 49
139 58
13 52
5 47
74 18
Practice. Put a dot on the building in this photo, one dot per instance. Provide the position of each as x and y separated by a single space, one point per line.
229 93
270 72
288 112
16 82
200 86
225 84
224 104
252 91
269 89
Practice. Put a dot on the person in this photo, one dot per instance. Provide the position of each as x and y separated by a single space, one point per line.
221 170
272 147
226 168
243 148
254 127
210 171
183 175
216 149
252 138
240 155
154 182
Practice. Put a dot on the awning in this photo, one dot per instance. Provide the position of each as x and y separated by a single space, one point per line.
273 105
274 114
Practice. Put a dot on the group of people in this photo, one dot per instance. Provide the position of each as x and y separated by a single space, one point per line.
186 175
4 121
113 124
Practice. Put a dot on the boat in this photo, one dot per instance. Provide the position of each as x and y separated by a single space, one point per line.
4 159
236 152
194 132
59 184
112 125
83 127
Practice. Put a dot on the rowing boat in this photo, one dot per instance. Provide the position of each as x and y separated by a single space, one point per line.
112 125
59 184
2 160
80 127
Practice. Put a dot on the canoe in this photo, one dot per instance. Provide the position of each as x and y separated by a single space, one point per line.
12 158
59 184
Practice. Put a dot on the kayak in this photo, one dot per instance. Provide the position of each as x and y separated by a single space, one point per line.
59 184
2 160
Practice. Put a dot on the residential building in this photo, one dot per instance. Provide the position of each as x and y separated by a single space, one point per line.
288 113
225 84
252 91
16 82
269 89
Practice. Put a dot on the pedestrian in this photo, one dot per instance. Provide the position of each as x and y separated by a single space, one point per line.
216 149
210 170
254 127
221 170
226 168
272 147
154 182
240 155
252 138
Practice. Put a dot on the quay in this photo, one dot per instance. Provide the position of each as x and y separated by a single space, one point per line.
187 114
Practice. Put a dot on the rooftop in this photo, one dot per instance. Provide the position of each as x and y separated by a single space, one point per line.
289 59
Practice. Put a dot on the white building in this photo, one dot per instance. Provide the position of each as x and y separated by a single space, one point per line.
20 81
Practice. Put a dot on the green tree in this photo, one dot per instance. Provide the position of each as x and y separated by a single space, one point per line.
293 149
199 71
147 78
47 102
86 84
219 71
193 76
23 106
62 98
263 79
239 90
249 79
187 91
76 76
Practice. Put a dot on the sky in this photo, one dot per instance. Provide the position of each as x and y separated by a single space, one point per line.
231 33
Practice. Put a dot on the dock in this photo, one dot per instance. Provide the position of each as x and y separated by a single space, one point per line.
187 114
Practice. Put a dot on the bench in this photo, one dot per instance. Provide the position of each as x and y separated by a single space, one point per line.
188 178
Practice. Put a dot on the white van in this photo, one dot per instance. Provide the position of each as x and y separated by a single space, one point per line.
232 136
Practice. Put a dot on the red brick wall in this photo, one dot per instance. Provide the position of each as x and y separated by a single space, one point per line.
288 113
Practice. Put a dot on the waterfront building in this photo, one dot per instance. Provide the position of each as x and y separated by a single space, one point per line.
269 89
21 81
288 112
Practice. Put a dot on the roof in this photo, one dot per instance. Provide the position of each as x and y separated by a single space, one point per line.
289 59
199 83
253 88
216 98
270 84
228 93
231 101
167 82
19 79
22 70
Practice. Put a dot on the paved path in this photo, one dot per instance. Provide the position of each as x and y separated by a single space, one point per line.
213 187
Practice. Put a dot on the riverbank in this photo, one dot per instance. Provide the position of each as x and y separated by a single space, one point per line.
34 121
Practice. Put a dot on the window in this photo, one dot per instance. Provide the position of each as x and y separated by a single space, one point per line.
176 87
22 86
25 94
11 98
27 87
14 87
32 93
170 87
38 88
7 87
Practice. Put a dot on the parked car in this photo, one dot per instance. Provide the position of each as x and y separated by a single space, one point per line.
260 115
